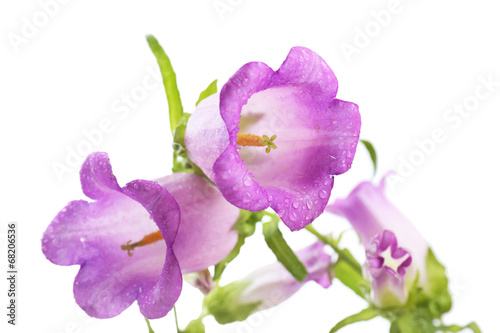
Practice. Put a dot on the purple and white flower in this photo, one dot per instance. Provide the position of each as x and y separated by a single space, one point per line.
273 284
191 229
276 138
268 286
395 249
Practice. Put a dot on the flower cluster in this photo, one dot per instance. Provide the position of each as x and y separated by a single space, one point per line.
269 139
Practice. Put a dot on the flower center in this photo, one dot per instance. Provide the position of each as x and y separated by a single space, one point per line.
148 239
256 141
390 261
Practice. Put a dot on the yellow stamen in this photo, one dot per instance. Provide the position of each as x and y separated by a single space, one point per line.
148 239
256 141
248 140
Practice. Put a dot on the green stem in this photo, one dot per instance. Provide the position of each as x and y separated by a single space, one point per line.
352 262
176 322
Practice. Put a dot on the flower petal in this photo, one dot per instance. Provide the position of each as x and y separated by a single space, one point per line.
206 234
97 176
91 235
273 284
206 136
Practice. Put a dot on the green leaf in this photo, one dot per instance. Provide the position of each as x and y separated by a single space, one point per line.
373 154
195 326
149 326
180 130
352 278
440 298
181 161
282 251
223 303
455 328
221 266
169 81
211 89
245 225
364 315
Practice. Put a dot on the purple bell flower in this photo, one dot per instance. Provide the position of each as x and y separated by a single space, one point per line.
134 242
276 138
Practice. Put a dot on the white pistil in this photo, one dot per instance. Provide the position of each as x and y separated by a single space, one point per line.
390 261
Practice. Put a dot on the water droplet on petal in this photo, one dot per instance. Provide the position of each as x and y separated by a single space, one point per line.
323 194
295 205
293 216
309 204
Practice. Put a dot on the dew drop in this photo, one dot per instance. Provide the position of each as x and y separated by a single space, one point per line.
293 216
309 204
295 205
247 181
323 194
270 198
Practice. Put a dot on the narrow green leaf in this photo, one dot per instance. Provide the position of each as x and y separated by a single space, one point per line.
351 278
364 315
456 328
221 266
245 225
373 154
211 89
284 254
149 326
169 81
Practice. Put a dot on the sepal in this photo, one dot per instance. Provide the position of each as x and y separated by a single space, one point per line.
224 303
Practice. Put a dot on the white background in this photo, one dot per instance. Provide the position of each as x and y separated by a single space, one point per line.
66 76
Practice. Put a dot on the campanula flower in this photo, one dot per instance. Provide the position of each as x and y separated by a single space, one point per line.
268 286
276 138
395 249
134 242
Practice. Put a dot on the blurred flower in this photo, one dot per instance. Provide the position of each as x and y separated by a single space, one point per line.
395 249
268 286
190 219
275 138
